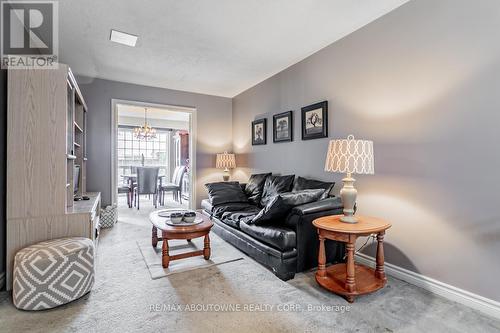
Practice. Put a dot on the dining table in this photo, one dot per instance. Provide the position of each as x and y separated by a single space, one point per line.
131 179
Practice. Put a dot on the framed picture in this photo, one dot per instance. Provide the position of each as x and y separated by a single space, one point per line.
283 127
259 132
315 121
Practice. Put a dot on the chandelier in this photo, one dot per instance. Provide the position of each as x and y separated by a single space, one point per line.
145 132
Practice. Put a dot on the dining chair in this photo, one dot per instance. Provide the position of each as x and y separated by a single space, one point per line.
147 180
175 186
125 188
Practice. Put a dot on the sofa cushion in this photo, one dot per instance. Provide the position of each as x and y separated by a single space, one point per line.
233 218
276 185
226 219
280 238
233 207
225 192
302 183
319 206
293 199
275 210
255 187
281 204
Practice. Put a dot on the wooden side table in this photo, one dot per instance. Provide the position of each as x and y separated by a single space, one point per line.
350 279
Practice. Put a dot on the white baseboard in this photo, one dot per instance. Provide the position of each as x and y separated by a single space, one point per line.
480 303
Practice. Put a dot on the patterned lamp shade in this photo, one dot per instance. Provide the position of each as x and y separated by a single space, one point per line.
225 161
350 156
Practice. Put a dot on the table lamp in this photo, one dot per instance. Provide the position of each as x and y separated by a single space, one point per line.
350 156
225 161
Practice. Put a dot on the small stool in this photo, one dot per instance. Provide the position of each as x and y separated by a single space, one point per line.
52 273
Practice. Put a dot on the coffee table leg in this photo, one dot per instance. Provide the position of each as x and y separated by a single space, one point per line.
379 269
350 282
321 258
165 258
206 248
154 237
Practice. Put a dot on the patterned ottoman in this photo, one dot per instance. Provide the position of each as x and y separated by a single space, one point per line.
52 273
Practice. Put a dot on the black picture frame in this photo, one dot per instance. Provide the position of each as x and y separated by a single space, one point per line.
256 139
320 111
281 134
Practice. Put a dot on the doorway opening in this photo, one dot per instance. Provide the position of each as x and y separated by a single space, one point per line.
153 158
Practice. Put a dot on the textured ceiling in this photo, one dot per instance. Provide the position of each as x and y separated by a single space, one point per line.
219 47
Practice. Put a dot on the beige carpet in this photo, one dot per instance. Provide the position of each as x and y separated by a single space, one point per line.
126 299
221 253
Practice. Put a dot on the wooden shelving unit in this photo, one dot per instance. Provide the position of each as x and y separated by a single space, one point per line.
78 128
40 166
76 138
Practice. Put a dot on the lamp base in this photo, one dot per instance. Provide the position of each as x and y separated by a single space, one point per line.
348 195
349 219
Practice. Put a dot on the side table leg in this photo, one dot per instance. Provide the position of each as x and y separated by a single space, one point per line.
321 258
379 270
350 282
206 248
165 258
154 237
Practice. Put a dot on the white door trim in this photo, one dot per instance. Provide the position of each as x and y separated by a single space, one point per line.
192 143
480 303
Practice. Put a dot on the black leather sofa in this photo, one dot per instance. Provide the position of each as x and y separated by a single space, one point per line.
287 246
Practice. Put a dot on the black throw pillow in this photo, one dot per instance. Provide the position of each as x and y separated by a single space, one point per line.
302 183
225 192
280 205
275 209
276 185
255 186
302 197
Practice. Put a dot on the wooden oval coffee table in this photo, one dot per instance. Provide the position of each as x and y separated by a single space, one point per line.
186 232
350 279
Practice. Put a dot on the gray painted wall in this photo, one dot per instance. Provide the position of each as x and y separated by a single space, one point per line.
3 169
213 128
423 83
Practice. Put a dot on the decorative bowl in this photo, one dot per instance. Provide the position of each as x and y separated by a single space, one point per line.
176 217
189 217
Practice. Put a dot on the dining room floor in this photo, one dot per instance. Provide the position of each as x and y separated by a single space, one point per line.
133 215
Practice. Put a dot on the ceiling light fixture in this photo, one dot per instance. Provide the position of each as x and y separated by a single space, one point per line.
145 132
123 38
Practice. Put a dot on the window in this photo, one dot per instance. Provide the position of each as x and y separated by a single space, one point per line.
132 151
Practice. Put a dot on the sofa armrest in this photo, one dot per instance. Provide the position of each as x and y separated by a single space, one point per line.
318 206
301 220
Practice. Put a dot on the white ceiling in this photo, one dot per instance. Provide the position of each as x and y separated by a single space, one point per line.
125 110
219 47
